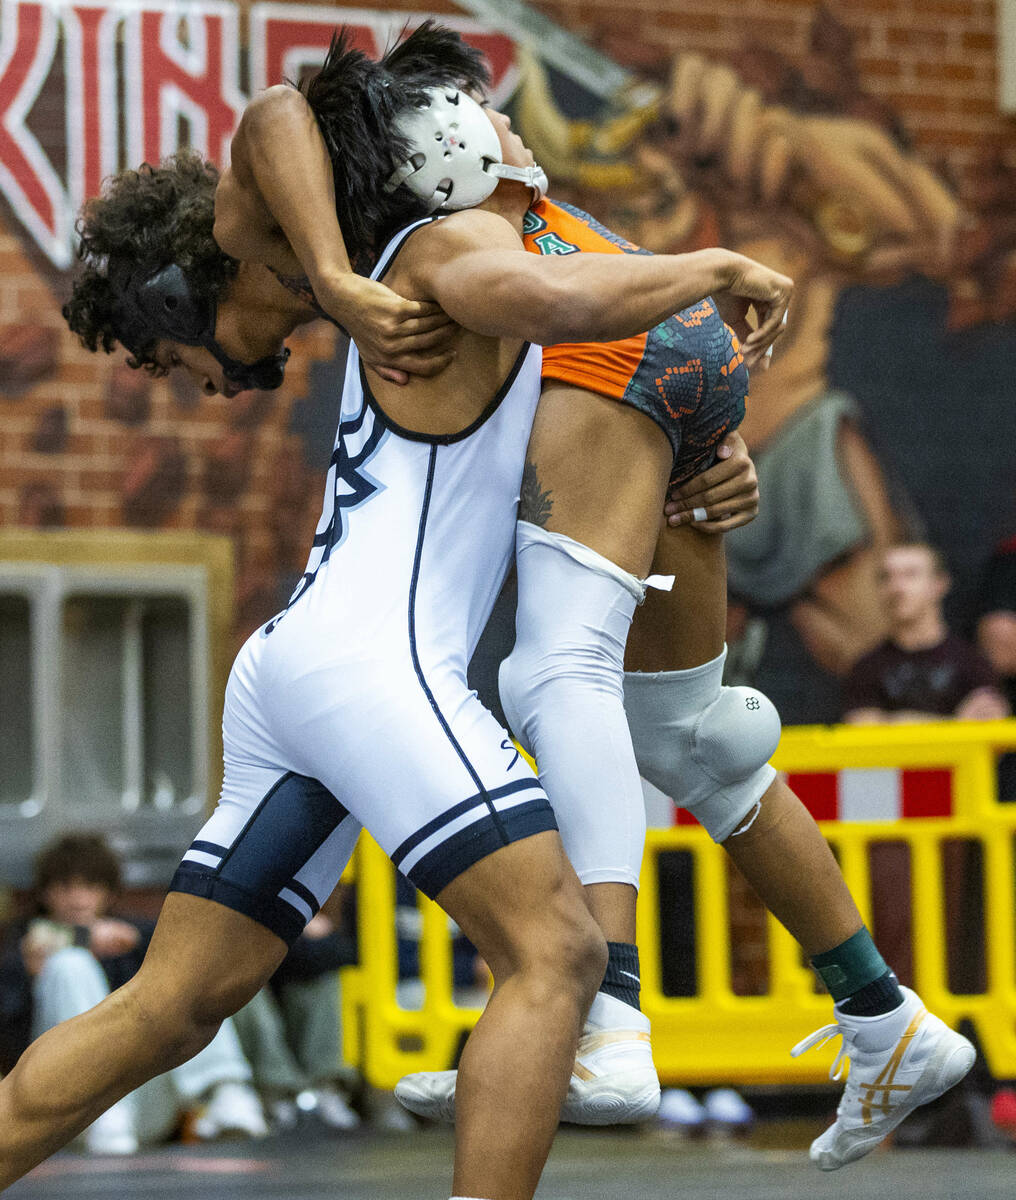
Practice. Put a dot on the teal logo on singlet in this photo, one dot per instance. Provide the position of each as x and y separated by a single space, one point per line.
552 243
546 243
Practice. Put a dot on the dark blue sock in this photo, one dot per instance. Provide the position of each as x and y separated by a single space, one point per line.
880 996
622 979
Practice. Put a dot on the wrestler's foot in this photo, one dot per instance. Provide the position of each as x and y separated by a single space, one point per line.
429 1094
613 1082
898 1061
233 1109
112 1133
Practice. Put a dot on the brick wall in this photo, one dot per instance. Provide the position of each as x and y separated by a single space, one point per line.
86 443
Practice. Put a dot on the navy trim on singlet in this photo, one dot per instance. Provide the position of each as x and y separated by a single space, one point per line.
446 862
209 848
287 828
421 835
307 808
445 439
304 893
473 774
299 285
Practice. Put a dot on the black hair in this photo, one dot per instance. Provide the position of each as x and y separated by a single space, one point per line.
357 102
77 856
146 219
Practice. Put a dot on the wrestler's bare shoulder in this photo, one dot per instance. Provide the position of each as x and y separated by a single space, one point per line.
470 229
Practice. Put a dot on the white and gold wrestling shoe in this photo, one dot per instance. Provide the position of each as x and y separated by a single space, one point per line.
613 1081
897 1062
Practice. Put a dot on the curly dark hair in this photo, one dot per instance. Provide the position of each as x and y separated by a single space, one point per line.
145 219
357 101
75 856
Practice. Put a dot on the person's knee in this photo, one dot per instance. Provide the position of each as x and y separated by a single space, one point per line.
169 1031
568 952
70 962
705 745
183 1011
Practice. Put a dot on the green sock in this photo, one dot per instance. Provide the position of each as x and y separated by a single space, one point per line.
850 966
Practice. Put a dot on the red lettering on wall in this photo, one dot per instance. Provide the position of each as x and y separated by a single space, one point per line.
180 66
283 45
27 179
184 73
91 98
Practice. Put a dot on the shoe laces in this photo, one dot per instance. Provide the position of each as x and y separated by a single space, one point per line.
841 1063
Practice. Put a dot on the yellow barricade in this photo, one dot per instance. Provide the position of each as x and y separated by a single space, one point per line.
715 1035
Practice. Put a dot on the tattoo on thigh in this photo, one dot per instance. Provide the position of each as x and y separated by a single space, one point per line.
534 504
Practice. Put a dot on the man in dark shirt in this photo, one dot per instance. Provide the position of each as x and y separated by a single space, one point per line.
996 637
996 629
922 672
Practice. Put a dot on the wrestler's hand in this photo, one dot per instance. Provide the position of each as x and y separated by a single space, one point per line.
726 495
396 337
768 292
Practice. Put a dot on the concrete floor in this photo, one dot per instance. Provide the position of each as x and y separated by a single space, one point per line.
585 1165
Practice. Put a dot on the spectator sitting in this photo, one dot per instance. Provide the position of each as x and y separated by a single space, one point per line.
996 636
290 1030
996 629
922 672
69 957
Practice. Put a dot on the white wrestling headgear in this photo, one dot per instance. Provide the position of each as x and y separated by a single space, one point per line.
455 155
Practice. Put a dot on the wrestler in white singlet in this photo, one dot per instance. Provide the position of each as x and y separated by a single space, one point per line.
351 707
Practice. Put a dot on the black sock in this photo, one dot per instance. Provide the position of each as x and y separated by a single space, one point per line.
880 996
622 979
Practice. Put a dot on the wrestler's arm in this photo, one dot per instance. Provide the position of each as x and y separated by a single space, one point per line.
275 204
474 265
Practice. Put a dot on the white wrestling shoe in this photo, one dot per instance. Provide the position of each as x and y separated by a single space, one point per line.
613 1081
897 1062
113 1132
233 1109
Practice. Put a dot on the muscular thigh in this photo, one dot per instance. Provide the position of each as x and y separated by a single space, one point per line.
597 471
207 959
683 628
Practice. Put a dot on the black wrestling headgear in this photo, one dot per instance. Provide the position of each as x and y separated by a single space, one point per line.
162 305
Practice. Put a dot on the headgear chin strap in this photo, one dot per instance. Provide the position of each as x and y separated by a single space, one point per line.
455 157
534 177
162 305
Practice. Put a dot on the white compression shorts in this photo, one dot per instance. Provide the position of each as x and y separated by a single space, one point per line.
562 691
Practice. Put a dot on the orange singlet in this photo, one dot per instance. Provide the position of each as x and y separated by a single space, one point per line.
687 374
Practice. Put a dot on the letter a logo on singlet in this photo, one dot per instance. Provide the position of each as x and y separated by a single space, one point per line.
553 243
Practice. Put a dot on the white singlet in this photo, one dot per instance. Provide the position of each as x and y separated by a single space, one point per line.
351 706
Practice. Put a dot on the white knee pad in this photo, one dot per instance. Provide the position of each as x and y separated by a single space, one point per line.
562 692
704 745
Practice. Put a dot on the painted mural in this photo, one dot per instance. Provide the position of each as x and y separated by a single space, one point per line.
888 408
887 411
